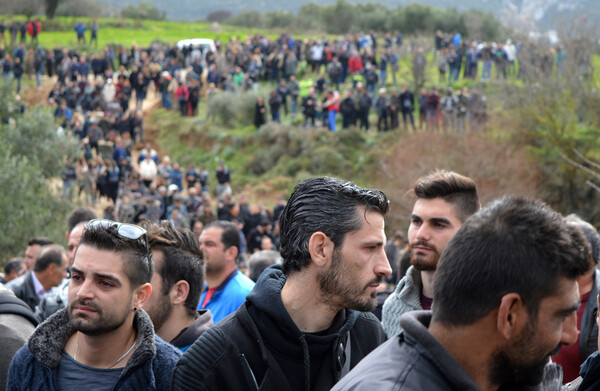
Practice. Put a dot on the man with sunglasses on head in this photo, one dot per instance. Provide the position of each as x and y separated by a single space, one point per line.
103 340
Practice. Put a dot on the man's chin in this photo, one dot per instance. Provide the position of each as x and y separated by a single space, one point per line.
424 265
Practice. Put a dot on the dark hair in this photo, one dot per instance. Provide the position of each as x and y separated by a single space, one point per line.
137 260
590 233
13 264
40 240
80 215
453 188
259 261
182 259
514 244
50 254
328 205
230 235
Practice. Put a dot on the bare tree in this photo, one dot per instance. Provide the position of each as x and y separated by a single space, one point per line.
25 7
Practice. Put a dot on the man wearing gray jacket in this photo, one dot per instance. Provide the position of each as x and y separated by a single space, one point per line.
444 201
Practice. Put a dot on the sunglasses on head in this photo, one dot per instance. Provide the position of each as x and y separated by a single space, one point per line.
125 230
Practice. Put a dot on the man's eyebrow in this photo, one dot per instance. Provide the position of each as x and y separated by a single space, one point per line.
99 275
441 220
108 277
74 269
567 311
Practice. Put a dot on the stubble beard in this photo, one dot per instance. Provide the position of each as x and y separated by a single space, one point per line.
161 313
334 284
508 366
424 262
86 324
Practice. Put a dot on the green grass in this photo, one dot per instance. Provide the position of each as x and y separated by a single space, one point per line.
59 32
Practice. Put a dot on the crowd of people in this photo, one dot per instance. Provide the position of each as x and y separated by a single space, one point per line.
504 295
353 75
182 284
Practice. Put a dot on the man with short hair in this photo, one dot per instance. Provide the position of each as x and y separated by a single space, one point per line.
33 247
49 270
226 287
102 340
304 325
13 269
571 357
58 298
505 300
176 285
444 200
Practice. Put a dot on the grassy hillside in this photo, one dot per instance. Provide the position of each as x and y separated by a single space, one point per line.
126 31
270 161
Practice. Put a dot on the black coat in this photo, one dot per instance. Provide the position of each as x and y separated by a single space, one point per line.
238 353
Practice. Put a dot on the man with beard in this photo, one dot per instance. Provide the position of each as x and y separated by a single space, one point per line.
226 287
444 200
506 298
304 325
176 285
102 340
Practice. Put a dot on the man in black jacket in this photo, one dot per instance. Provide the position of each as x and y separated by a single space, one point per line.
305 323
348 109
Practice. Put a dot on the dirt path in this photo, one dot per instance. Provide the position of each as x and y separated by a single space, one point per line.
32 95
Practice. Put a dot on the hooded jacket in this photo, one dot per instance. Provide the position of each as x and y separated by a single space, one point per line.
35 366
260 346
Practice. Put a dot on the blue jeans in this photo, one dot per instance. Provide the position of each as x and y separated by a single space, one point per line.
332 114
275 116
166 101
383 76
37 79
18 84
487 69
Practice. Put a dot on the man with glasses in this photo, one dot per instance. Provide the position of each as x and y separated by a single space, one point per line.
102 340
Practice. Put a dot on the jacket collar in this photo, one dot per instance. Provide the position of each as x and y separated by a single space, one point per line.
49 339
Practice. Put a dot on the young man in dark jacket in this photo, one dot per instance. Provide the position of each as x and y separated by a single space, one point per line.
305 324
102 339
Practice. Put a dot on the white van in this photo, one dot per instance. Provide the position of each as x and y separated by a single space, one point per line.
198 43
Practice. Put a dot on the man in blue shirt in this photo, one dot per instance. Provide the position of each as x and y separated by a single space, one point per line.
226 287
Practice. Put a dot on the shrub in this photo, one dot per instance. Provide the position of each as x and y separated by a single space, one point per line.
143 11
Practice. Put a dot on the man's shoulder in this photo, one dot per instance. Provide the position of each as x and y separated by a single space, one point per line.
406 297
19 282
213 359
165 352
240 282
395 365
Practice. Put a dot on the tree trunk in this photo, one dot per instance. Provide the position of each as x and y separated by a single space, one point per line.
51 6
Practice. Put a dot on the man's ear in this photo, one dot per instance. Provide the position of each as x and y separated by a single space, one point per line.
320 248
140 295
232 253
512 315
179 292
